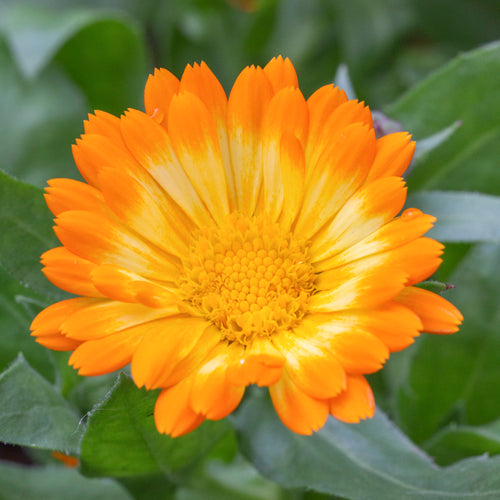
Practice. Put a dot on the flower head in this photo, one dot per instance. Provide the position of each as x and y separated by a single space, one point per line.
257 239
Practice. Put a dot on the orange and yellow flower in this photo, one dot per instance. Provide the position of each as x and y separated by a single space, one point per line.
221 242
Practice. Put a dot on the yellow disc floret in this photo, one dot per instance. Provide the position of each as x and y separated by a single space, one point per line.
248 278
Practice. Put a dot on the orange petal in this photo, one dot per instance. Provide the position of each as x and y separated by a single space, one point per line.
105 124
211 393
58 342
92 153
366 211
62 195
393 155
419 259
69 272
341 117
160 88
355 403
107 354
151 146
195 141
247 105
437 314
359 351
173 414
124 286
186 366
394 324
281 73
106 317
300 412
259 363
49 320
321 104
167 341
102 241
312 367
200 81
334 176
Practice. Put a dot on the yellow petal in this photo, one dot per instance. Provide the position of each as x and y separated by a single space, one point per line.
150 145
145 209
106 317
287 114
366 211
334 176
195 141
408 227
357 350
102 241
367 283
311 366
200 81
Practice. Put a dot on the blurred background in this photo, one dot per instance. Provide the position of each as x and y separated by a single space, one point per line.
60 59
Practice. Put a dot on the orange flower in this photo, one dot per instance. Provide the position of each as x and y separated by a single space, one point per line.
221 242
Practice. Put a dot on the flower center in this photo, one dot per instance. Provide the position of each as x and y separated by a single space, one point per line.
248 278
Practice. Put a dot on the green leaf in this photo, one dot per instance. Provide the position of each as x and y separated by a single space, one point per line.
33 413
121 439
14 327
461 441
434 286
26 227
461 217
455 378
465 90
351 460
54 483
235 481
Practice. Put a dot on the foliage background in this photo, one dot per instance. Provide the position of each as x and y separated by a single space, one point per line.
433 66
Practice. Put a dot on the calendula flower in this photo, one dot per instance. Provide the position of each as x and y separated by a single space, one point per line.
221 242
